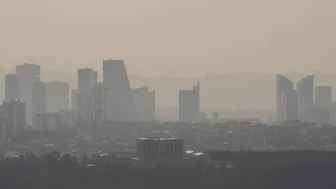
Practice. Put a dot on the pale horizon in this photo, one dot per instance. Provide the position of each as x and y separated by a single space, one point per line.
190 37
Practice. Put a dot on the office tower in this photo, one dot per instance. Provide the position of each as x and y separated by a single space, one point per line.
283 84
189 105
12 87
104 103
144 101
290 105
14 112
57 95
39 98
46 122
215 116
29 74
321 115
305 90
115 77
74 95
86 79
323 96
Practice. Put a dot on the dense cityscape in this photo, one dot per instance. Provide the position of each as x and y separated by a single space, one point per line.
108 123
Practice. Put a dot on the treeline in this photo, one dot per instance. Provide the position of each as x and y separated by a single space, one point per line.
56 171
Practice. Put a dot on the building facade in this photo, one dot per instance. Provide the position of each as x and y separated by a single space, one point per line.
116 79
87 78
290 105
57 95
170 148
29 74
189 105
283 84
305 90
323 96
144 101
39 98
12 87
46 122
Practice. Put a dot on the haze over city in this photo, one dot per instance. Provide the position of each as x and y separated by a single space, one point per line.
150 94
189 37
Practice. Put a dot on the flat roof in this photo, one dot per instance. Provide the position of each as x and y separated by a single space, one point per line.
157 138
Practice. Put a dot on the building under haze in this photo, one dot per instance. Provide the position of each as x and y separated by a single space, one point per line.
46 122
305 90
160 148
144 101
283 84
115 77
29 74
39 98
289 105
87 78
104 103
14 112
12 87
57 95
323 96
189 105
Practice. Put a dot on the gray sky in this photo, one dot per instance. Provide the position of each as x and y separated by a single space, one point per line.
191 37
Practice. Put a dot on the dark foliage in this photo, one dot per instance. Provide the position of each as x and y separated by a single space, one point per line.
306 169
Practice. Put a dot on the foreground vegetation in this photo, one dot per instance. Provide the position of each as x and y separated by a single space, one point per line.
276 170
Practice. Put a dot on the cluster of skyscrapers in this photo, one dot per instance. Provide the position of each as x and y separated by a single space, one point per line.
112 99
46 105
305 103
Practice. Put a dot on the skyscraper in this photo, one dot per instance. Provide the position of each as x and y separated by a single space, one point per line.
323 96
39 98
86 79
144 101
29 74
290 105
104 103
115 77
57 95
283 84
189 105
12 87
305 89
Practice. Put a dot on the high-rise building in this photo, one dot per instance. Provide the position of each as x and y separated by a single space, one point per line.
14 112
57 95
86 79
104 103
74 95
29 74
283 84
115 77
189 105
323 96
305 90
144 101
12 87
39 98
290 105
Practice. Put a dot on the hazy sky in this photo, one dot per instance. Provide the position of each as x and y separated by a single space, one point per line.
191 37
